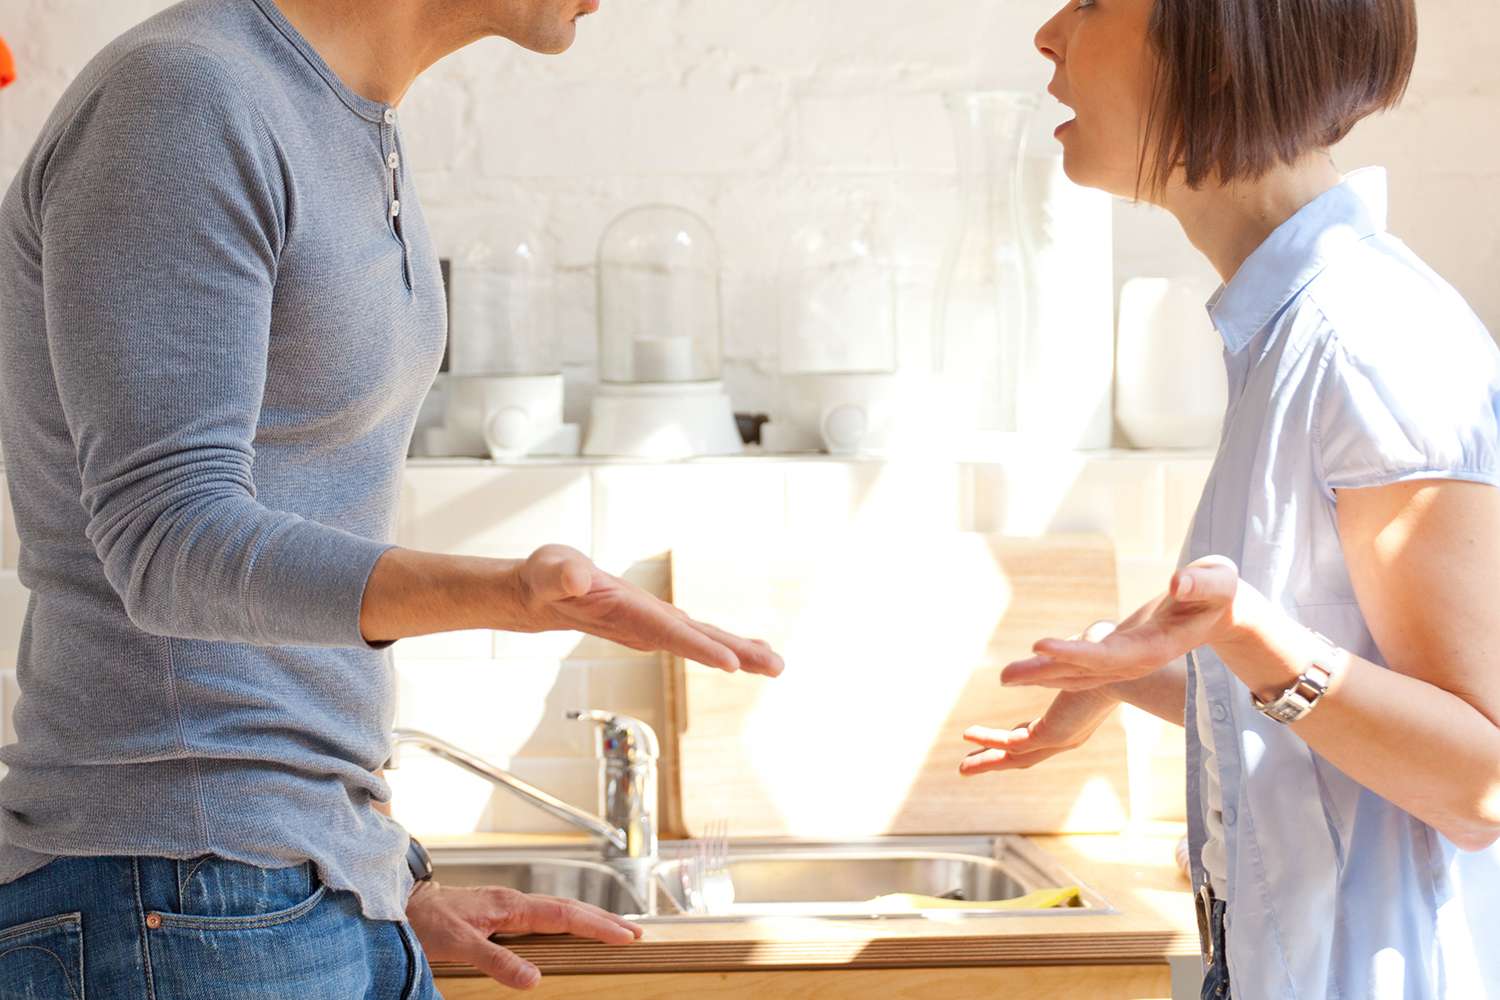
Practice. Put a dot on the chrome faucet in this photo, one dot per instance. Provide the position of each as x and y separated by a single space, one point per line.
628 753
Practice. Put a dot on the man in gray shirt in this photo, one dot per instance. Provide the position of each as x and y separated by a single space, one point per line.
219 312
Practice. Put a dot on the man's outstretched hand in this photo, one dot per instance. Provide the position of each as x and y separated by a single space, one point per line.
560 589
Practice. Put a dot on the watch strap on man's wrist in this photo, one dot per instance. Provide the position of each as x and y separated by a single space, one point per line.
418 861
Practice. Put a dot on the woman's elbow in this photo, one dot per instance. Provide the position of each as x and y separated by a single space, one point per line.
1478 826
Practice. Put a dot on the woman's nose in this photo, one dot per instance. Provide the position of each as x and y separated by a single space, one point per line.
1049 40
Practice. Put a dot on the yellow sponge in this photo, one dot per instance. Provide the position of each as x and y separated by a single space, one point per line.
1042 899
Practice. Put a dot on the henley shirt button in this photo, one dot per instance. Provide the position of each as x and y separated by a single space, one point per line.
393 161
390 116
396 208
1220 713
1230 816
153 920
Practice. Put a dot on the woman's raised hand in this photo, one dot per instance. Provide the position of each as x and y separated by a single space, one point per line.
1067 724
1204 604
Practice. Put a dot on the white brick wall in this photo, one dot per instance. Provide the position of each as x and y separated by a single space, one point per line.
764 115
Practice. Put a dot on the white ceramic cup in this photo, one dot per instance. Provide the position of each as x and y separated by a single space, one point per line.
502 417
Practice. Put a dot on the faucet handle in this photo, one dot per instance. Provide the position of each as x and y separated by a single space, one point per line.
621 735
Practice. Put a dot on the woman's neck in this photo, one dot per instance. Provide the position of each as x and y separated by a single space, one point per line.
1227 223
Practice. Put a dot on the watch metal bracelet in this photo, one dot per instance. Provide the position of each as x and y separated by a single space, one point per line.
1297 701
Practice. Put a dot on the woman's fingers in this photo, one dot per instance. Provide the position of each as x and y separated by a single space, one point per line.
1212 580
1001 739
1050 672
985 761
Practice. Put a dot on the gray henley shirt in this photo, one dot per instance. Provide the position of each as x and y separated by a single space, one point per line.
219 312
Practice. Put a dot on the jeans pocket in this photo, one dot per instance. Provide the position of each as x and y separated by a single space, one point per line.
43 959
215 894
239 923
327 951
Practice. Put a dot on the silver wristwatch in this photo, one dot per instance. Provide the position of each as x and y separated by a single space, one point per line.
1302 697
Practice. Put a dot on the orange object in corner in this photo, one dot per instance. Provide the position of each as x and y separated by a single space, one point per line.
7 65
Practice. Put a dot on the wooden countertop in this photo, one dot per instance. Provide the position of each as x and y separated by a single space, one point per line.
1135 872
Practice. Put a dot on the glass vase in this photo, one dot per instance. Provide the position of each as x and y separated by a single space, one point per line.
980 328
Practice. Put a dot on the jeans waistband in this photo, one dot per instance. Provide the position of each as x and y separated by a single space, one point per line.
213 886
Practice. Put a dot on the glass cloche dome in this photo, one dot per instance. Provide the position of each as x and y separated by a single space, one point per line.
504 320
659 314
838 305
660 341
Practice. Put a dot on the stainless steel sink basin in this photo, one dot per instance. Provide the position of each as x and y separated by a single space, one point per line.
816 878
785 878
570 878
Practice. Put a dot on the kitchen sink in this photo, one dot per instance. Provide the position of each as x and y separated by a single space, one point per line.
790 878
570 878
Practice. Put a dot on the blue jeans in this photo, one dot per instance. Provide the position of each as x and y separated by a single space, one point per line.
1216 978
122 928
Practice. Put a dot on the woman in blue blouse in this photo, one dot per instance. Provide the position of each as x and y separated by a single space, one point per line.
1332 640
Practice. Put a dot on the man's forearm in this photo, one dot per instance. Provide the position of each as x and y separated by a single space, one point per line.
412 593
1163 694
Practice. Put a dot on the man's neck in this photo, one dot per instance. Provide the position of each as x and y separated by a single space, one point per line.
1228 223
378 49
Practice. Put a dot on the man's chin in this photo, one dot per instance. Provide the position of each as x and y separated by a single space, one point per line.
555 44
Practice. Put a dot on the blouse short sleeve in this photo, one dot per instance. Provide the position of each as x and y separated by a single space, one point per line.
1417 406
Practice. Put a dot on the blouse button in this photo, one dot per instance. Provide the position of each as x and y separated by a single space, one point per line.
1230 816
1220 713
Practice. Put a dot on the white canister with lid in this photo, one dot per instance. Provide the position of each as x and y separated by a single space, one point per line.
1171 389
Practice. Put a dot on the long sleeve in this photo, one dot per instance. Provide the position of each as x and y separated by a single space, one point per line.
163 214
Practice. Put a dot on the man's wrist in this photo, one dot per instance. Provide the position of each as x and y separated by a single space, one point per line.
419 889
506 596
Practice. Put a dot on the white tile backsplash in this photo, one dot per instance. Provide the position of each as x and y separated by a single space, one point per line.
642 511
498 511
575 780
826 495
1075 493
500 710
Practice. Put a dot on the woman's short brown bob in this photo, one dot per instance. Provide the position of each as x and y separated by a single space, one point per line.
1243 85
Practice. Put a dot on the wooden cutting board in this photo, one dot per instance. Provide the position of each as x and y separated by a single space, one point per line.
893 648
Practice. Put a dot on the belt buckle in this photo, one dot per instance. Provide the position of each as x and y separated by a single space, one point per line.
1203 902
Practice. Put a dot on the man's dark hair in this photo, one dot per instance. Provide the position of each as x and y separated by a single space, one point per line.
1244 85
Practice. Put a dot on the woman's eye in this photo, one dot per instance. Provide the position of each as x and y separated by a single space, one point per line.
1083 4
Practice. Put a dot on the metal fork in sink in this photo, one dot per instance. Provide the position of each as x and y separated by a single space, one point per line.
706 879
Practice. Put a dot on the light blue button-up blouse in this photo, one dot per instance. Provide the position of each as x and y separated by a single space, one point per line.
1351 364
